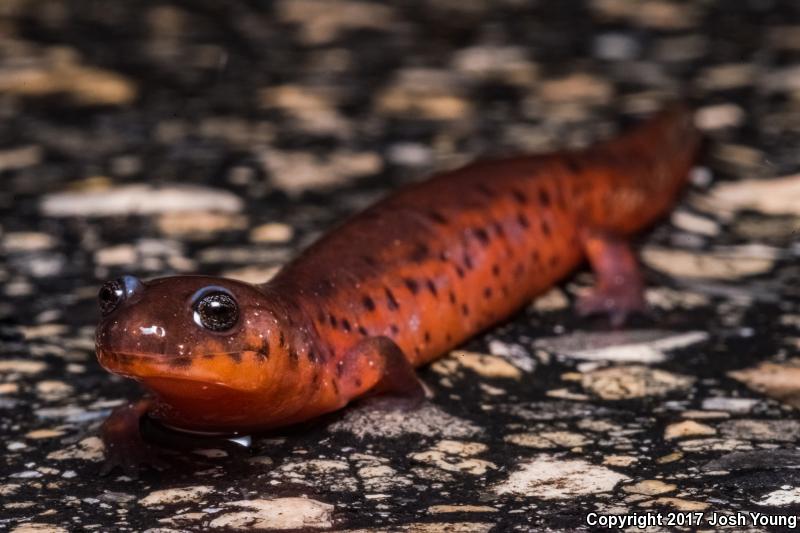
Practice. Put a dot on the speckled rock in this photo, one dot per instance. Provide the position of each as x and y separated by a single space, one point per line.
222 138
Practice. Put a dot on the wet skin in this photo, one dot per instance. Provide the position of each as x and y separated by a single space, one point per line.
396 286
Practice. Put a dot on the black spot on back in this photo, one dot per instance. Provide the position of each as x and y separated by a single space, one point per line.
573 164
437 217
523 220
468 261
419 253
519 196
545 228
431 286
481 235
391 301
486 191
369 304
544 198
412 285
346 324
332 320
363 331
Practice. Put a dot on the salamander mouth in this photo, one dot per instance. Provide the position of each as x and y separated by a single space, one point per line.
212 375
148 366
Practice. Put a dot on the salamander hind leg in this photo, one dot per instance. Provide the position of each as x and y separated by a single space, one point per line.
619 289
376 366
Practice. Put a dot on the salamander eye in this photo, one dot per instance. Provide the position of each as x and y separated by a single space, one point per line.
216 311
110 296
113 293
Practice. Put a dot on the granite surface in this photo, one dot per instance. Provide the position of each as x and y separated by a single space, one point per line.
221 137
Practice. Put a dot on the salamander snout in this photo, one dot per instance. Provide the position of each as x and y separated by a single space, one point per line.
113 293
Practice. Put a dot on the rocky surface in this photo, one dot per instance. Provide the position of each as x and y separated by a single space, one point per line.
221 137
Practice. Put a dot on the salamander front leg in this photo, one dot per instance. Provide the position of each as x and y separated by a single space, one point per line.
124 445
377 366
619 289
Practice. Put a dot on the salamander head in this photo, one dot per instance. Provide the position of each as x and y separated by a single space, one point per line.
190 337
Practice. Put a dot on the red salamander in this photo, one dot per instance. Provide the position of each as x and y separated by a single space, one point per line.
394 287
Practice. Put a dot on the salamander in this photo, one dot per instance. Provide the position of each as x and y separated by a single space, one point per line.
393 287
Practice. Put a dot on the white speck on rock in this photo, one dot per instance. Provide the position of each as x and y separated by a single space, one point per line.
26 474
552 300
615 47
27 241
729 264
177 495
331 473
781 497
547 439
731 405
642 346
272 232
490 366
428 420
516 354
650 487
719 116
688 428
295 172
89 449
715 445
38 527
777 196
456 456
280 513
688 221
21 366
139 199
633 381
51 389
550 478
776 380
